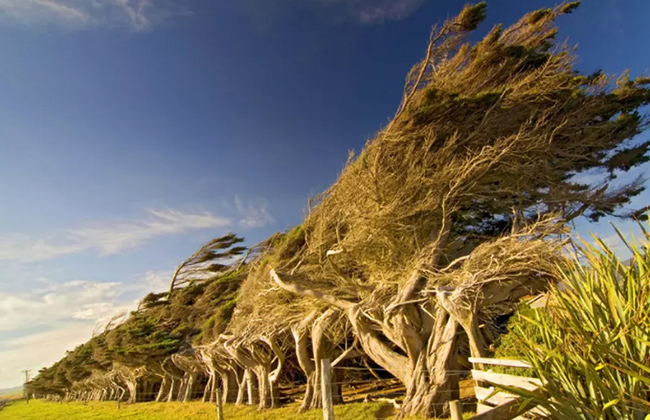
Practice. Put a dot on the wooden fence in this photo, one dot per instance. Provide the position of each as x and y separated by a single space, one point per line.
496 404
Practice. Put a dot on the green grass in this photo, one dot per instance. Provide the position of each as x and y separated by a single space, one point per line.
40 410
43 410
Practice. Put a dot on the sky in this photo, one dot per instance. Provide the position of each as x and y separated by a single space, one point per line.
133 131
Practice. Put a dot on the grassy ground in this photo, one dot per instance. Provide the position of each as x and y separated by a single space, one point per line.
39 410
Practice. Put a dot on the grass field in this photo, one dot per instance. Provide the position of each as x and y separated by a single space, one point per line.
41 410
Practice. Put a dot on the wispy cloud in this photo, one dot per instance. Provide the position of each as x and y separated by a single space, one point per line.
606 232
138 15
265 13
253 215
108 238
114 238
377 11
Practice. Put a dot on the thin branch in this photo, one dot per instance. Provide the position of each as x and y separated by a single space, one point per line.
299 290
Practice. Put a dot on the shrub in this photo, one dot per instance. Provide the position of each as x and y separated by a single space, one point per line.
512 344
591 347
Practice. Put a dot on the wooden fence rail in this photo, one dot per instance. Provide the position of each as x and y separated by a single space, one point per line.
495 404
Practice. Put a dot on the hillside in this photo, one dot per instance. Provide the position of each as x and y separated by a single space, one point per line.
409 263
11 391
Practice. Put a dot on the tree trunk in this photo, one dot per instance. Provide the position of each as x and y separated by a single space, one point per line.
251 387
229 386
172 389
176 376
190 387
257 359
423 349
272 376
300 334
434 382
133 393
242 390
267 397
208 394
164 388
322 348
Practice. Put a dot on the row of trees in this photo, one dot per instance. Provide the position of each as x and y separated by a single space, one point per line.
455 211
145 354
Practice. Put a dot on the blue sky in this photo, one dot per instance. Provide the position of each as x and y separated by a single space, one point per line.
131 131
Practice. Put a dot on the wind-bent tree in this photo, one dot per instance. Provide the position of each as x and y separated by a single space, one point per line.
454 210
449 216
212 258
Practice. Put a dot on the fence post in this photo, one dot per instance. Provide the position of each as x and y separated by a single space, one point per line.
456 412
219 404
326 387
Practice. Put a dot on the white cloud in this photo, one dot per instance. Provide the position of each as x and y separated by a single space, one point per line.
82 300
157 281
108 238
30 11
68 313
138 15
100 312
114 238
253 216
629 229
36 351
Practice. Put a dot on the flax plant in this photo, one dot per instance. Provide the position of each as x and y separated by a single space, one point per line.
592 347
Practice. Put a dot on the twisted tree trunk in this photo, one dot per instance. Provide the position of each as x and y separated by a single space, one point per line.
229 385
164 388
175 375
258 359
242 388
423 347
300 334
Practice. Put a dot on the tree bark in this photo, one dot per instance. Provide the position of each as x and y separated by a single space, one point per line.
267 378
433 385
251 384
208 394
229 386
300 334
133 393
164 389
242 389
176 378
